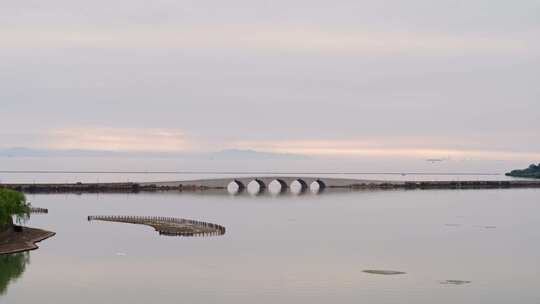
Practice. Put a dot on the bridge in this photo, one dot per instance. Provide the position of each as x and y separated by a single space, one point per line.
275 185
271 184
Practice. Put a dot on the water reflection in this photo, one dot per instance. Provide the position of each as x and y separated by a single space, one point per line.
256 187
235 187
277 186
317 187
291 249
298 187
12 266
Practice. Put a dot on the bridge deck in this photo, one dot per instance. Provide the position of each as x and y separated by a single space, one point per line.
222 183
218 183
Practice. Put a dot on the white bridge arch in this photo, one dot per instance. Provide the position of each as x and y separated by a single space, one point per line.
276 185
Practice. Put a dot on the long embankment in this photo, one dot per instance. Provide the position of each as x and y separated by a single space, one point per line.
221 184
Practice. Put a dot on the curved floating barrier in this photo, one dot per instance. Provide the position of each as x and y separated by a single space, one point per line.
166 225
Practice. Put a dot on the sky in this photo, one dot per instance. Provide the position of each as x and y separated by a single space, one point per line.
417 78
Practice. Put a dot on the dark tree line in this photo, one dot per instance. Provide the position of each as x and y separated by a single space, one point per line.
533 171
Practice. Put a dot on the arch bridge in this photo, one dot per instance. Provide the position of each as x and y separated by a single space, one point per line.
267 184
275 185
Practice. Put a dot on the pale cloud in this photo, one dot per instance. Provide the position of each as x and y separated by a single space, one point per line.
459 77
352 149
174 140
264 38
117 139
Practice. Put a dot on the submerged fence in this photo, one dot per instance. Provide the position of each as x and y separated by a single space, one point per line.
166 225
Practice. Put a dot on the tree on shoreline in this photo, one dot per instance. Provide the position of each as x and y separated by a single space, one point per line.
13 203
533 171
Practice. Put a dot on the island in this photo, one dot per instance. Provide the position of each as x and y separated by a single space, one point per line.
13 236
533 171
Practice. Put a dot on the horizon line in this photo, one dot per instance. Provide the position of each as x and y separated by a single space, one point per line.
239 172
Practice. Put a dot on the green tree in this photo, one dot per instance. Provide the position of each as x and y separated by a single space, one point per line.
533 171
12 266
13 203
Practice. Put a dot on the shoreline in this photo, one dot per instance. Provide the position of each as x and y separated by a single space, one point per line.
221 184
24 240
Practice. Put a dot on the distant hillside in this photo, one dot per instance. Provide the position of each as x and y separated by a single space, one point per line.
30 152
532 172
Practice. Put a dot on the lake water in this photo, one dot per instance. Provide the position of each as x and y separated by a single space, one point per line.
286 249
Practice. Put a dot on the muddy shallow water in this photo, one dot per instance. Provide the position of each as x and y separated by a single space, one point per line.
288 249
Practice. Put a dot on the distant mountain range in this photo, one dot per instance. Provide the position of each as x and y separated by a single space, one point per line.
223 154
29 152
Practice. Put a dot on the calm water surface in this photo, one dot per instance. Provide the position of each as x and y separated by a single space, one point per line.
305 249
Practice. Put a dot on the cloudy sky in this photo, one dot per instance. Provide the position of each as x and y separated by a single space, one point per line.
414 78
